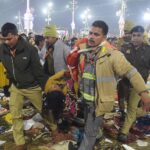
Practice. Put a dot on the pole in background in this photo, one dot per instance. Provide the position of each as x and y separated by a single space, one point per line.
28 19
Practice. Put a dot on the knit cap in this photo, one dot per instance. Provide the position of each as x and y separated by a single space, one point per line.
51 31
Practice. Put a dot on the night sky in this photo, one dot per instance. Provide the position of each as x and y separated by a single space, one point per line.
100 9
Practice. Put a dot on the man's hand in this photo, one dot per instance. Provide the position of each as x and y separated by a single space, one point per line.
145 97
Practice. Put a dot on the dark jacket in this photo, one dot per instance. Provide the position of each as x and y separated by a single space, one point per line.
24 70
138 57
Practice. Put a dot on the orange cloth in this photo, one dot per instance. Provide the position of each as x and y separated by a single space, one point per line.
81 41
73 59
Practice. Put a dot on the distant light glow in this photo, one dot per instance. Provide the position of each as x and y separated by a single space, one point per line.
44 11
47 9
50 4
67 6
86 14
16 17
118 13
146 16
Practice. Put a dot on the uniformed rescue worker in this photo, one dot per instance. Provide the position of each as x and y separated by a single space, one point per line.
99 63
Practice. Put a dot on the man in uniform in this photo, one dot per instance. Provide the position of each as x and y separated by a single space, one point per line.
127 35
24 69
99 63
122 88
137 52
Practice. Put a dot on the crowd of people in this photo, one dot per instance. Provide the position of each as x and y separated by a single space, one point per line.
97 66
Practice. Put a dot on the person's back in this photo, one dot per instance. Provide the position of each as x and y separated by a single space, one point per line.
59 54
40 45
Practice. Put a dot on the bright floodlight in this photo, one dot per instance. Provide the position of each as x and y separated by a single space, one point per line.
83 16
44 11
67 6
86 14
50 4
89 16
147 16
16 17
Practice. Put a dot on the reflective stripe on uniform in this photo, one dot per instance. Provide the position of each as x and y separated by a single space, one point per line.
105 79
103 50
87 96
88 76
131 73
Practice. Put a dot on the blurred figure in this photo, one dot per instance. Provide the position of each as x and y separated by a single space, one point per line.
123 89
1 38
23 35
57 50
40 45
112 41
31 38
72 42
137 52
4 81
127 35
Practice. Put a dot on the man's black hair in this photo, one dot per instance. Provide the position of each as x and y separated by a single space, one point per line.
101 24
9 28
137 29
30 33
38 39
24 36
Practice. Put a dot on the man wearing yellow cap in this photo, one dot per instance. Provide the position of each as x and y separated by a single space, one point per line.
127 36
138 54
123 42
57 50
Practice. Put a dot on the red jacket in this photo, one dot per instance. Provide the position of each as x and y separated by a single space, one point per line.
73 59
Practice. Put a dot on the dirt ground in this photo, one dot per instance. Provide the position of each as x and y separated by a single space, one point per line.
39 144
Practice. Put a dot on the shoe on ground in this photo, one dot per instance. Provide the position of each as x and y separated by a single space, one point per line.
122 138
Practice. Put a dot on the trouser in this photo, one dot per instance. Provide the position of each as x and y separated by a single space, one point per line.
123 87
16 105
92 127
132 111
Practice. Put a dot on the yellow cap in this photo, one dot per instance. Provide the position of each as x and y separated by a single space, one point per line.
128 25
51 31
